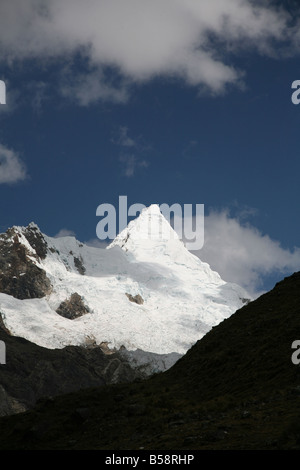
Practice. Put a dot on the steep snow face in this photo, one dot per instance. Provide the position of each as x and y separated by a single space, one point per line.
181 297
150 225
151 239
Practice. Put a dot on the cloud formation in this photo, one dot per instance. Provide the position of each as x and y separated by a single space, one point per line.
131 163
141 39
132 150
64 232
12 168
242 254
123 138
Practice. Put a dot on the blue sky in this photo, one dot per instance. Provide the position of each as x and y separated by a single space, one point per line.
183 101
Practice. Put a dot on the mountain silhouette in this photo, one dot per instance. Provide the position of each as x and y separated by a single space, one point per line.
237 388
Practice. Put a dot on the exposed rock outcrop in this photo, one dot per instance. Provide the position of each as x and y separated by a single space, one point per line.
79 265
19 275
73 307
36 240
136 298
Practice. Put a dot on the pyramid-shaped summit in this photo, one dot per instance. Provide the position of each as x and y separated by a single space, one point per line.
150 225
182 298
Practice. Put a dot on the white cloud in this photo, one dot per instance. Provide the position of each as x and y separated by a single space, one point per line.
141 39
90 87
93 242
134 160
242 254
123 139
12 168
97 243
131 163
64 232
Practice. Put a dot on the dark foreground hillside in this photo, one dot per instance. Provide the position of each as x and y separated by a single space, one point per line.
237 388
32 372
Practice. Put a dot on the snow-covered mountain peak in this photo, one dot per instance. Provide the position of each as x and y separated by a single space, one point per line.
150 228
152 209
147 292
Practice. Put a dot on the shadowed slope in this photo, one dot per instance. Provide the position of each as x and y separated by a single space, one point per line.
237 388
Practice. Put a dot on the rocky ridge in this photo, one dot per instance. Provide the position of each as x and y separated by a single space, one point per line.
20 275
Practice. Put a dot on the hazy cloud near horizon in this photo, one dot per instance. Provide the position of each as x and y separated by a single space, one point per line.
140 40
242 254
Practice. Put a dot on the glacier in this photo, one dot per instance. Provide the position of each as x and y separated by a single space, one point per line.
182 298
